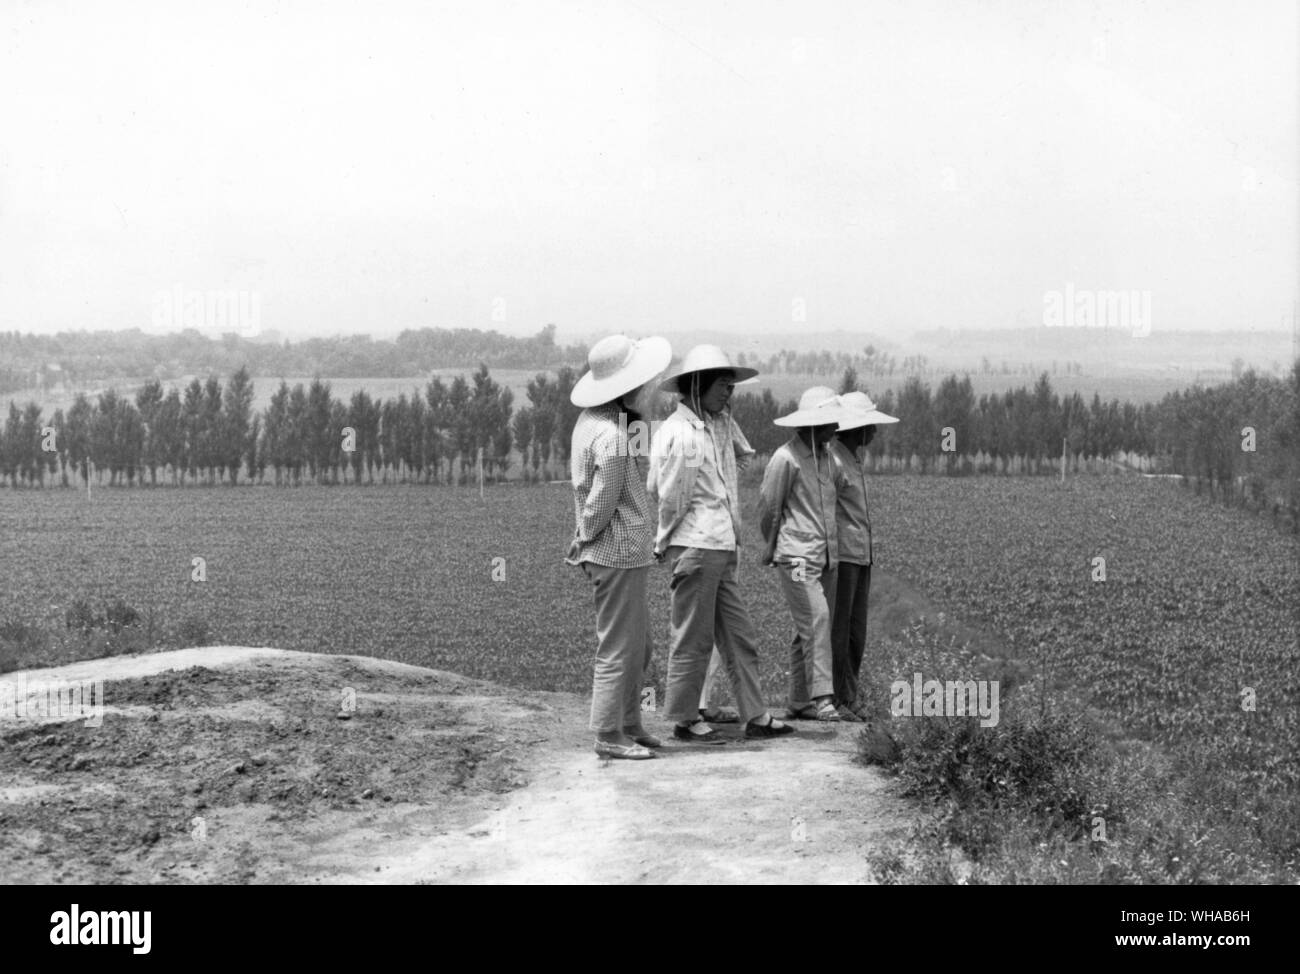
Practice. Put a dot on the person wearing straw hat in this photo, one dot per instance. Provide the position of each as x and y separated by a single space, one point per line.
797 519
613 542
853 578
711 714
693 481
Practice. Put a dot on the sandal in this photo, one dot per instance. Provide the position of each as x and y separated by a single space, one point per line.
754 729
631 752
827 713
720 715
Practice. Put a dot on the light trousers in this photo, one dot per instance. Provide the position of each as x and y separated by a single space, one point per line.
623 651
707 610
810 594
715 664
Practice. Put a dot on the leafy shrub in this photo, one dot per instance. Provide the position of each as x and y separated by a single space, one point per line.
80 616
1042 766
21 643
193 631
118 616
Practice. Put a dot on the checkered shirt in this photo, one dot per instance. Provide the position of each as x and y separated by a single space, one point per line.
611 510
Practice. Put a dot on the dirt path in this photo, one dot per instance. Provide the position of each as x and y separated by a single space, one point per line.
725 815
232 764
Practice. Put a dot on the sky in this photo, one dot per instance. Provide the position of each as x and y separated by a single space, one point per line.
645 166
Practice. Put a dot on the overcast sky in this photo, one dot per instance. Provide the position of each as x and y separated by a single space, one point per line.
648 165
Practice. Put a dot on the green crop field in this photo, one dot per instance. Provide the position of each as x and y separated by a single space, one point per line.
406 572
1196 610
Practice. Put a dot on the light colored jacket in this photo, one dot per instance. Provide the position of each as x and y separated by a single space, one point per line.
693 480
797 507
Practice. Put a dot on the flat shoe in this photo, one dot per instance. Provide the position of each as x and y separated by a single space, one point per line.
767 730
647 740
630 752
847 715
710 737
803 713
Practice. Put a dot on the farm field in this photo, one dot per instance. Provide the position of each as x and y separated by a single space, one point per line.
406 572
1197 607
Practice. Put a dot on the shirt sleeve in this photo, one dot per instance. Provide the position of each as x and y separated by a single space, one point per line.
741 446
609 474
771 495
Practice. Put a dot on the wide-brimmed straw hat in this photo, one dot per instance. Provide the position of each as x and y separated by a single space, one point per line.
704 358
818 406
617 365
859 410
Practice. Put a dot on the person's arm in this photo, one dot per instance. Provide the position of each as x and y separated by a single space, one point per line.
674 461
772 494
741 446
607 481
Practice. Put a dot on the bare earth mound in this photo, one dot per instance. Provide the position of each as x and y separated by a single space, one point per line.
232 764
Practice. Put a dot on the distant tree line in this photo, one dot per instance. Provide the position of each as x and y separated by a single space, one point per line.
881 364
78 358
209 434
1240 438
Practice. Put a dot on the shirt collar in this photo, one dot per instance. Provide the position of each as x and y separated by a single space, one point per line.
802 449
688 414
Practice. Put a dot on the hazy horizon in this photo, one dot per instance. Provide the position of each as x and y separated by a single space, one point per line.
885 169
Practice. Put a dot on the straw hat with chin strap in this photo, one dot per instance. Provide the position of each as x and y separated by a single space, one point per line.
706 358
617 365
859 410
818 406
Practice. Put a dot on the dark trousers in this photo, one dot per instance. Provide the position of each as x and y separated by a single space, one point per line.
849 629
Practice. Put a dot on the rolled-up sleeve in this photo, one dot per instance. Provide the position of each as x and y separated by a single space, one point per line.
741 447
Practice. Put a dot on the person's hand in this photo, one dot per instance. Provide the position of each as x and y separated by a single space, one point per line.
659 556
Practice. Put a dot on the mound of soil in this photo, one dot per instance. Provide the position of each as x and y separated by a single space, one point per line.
208 774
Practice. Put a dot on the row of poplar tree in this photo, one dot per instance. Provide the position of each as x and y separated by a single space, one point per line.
209 433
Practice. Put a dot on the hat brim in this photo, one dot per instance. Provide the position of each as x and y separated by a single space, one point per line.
822 416
741 374
650 357
869 417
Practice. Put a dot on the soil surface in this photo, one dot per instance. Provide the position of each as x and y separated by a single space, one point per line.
234 764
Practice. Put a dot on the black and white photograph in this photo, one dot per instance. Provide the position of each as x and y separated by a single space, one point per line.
650 442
